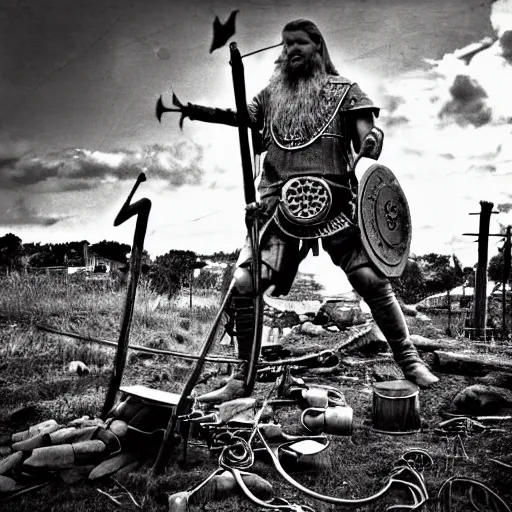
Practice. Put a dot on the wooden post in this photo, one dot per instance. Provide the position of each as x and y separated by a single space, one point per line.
191 278
505 279
480 302
449 300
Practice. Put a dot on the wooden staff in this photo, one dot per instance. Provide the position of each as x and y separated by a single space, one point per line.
237 70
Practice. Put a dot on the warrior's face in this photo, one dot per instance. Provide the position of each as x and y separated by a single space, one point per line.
301 53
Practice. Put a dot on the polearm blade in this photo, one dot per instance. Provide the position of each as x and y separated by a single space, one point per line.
237 70
140 208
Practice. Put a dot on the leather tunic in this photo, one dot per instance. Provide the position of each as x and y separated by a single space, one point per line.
327 154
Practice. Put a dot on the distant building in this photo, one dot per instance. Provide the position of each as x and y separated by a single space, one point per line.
96 263
461 294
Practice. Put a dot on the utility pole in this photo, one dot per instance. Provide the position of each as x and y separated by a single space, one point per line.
480 296
506 271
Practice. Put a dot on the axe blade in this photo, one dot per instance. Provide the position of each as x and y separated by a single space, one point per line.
222 32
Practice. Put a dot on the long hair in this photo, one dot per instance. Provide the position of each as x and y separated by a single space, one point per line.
296 103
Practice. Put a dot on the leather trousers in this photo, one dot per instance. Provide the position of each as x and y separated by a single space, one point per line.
378 293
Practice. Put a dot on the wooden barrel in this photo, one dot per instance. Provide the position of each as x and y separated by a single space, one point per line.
396 407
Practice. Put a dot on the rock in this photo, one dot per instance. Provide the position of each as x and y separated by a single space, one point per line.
343 312
78 367
10 462
112 465
311 329
498 379
8 484
480 399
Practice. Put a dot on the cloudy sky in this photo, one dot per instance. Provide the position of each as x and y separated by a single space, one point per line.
79 82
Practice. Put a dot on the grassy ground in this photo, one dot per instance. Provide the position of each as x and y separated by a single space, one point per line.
33 372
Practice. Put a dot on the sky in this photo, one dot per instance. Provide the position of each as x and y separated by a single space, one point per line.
79 81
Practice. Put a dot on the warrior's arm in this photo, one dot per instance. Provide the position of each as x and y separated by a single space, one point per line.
209 114
224 116
362 112
363 126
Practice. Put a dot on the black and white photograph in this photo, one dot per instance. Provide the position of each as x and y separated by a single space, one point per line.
256 255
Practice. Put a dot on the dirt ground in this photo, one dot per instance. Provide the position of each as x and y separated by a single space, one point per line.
352 467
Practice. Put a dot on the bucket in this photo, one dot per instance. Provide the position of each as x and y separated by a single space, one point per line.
396 407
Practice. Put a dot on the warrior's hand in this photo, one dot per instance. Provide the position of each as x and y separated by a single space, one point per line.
261 211
256 211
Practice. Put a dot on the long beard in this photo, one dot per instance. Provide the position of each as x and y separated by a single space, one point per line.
296 100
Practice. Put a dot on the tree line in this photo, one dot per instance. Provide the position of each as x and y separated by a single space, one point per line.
423 276
168 273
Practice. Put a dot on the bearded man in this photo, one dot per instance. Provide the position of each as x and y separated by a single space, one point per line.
312 121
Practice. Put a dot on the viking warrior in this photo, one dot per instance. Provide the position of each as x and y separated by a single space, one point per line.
312 123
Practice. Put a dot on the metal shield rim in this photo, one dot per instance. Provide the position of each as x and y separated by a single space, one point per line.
386 268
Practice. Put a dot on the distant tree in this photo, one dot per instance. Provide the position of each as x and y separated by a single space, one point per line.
440 275
410 286
49 255
221 256
496 267
11 253
111 250
170 272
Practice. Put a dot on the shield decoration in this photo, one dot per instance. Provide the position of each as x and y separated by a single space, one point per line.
384 220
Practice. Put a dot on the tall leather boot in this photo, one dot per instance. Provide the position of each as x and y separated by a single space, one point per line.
243 315
380 297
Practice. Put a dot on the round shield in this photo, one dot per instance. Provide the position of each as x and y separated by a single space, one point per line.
384 220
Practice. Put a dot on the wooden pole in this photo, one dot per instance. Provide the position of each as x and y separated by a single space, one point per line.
190 287
506 272
480 302
449 300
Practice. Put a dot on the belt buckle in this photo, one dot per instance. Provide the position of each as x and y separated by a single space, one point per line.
306 199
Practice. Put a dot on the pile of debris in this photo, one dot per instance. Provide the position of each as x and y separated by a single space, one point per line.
83 449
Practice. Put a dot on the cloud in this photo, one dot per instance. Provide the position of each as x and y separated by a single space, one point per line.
11 150
468 104
20 214
506 45
504 207
177 164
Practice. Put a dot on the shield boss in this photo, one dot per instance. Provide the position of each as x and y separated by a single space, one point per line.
384 220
